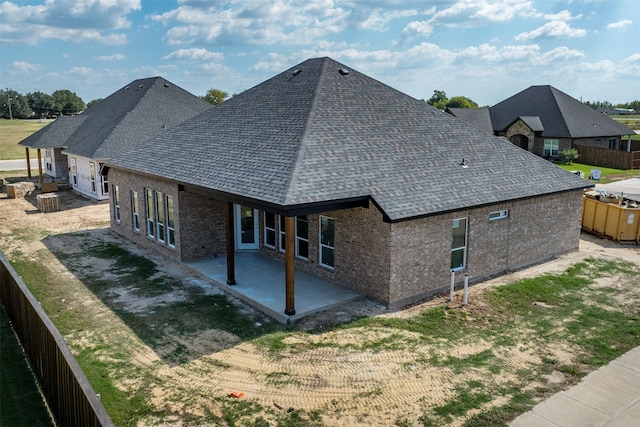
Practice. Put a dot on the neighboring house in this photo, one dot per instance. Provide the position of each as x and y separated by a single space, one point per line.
615 111
545 121
75 147
349 179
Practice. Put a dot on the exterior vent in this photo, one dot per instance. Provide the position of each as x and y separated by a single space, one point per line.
343 72
296 71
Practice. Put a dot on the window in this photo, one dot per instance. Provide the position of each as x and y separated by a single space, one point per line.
150 213
282 234
612 143
550 147
270 230
302 237
327 242
116 204
105 182
158 198
92 176
134 211
48 163
498 215
74 172
459 244
171 228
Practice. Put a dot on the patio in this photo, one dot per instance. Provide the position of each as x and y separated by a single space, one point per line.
260 281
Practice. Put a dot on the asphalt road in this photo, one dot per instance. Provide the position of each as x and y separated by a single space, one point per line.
12 165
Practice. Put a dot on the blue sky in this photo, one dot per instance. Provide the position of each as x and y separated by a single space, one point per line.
486 50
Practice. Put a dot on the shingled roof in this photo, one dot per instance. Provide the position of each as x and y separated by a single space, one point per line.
561 115
127 117
321 133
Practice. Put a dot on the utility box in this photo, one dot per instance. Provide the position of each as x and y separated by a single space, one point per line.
620 223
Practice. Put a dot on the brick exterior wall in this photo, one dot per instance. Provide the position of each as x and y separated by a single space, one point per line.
396 263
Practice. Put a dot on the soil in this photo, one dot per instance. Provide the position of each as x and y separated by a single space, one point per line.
349 387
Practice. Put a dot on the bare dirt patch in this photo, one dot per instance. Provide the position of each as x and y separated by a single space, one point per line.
357 376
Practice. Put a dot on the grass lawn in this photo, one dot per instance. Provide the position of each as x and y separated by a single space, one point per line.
20 401
608 174
14 131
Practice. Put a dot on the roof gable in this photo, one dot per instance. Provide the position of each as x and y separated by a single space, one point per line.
55 134
131 115
561 116
322 132
479 117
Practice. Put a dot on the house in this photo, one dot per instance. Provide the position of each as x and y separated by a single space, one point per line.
75 147
545 121
341 176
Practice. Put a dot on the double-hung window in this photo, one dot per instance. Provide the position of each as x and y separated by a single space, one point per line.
302 237
116 204
550 147
150 213
327 241
159 215
459 244
270 230
171 227
74 172
134 211
92 176
48 160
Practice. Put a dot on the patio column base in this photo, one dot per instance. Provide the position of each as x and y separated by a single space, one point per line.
231 282
289 312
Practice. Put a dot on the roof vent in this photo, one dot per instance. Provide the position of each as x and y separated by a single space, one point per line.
296 71
343 72
166 85
126 88
464 164
140 87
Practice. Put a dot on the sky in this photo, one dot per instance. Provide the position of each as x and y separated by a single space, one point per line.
486 50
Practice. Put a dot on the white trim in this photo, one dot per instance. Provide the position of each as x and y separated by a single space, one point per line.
281 234
238 229
135 211
496 215
267 229
116 204
299 239
322 246
459 248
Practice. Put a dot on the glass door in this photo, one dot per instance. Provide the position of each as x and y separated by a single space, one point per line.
246 227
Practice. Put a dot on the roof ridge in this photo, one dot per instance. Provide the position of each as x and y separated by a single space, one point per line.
301 145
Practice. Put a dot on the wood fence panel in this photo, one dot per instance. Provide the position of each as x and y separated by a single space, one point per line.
69 395
607 158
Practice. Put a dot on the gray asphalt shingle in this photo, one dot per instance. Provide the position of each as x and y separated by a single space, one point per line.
321 135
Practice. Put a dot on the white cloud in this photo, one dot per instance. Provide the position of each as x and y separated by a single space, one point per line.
69 20
552 29
479 12
22 66
620 24
194 54
632 59
116 57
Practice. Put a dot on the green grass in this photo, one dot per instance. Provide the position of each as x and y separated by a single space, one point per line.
14 131
607 174
21 403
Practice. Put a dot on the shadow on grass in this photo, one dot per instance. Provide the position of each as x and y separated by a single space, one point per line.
179 316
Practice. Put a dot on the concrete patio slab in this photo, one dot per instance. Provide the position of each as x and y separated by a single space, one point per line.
260 281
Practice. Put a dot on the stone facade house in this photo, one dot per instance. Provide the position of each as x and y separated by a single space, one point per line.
545 121
75 147
339 175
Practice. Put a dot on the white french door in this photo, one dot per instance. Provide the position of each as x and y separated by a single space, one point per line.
246 227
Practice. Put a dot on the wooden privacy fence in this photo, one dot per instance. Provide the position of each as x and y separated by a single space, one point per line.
607 158
65 387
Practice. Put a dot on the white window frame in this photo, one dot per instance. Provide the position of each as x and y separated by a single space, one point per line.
462 248
549 149
281 234
48 160
158 199
135 217
92 176
116 204
496 215
323 246
268 229
299 238
149 208
171 227
74 172
105 182
613 142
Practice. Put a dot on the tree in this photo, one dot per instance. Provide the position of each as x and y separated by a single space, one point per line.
95 101
41 103
438 99
14 105
461 102
67 102
215 96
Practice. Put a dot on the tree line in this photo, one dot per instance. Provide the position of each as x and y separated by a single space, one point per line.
41 105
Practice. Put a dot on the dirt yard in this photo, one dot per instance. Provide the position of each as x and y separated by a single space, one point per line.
319 372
